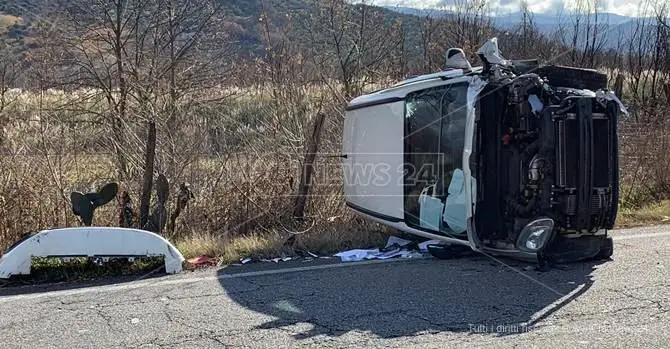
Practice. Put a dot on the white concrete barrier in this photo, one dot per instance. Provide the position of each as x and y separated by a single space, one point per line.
89 242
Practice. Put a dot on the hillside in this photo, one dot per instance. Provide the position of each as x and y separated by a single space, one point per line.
238 18
408 41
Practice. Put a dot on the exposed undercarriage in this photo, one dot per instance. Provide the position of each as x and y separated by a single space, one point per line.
549 153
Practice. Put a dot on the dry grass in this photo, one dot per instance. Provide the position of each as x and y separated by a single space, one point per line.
653 214
271 245
7 21
243 189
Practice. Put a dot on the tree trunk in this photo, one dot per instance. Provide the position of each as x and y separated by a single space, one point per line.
185 195
308 168
618 85
147 180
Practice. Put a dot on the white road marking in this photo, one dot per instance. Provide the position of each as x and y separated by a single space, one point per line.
617 236
641 236
188 280
557 304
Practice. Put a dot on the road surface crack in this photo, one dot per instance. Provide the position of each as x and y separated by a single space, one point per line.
655 302
107 318
201 332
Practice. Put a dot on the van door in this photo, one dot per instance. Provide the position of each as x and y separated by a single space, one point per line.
434 140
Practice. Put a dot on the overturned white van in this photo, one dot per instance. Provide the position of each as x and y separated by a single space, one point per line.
510 158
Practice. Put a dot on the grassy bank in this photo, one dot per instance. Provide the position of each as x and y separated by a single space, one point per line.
268 245
652 214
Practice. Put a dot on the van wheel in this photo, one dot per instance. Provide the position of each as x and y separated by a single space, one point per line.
606 249
580 78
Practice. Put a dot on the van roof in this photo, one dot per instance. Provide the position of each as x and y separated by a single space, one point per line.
400 89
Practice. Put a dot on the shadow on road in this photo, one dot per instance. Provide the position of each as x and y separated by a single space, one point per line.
474 294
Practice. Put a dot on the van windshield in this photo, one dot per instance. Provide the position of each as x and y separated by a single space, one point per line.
435 121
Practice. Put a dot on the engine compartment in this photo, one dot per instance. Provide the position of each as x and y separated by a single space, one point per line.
544 152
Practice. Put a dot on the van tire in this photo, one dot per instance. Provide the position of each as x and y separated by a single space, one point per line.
571 77
606 249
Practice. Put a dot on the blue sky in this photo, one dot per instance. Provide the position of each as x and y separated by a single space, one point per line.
631 8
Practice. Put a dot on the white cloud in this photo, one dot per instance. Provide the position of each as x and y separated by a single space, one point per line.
620 7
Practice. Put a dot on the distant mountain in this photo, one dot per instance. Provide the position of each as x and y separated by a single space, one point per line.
614 29
514 17
553 19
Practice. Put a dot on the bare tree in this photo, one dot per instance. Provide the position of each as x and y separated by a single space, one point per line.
96 38
355 38
428 30
12 64
10 72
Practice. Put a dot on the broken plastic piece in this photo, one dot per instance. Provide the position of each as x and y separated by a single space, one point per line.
491 53
89 242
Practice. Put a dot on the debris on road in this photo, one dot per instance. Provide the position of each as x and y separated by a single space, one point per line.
203 262
360 255
357 255
395 247
423 247
394 240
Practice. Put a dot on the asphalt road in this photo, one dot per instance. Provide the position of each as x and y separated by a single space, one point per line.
473 302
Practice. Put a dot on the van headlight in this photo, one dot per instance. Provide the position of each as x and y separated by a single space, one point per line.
535 235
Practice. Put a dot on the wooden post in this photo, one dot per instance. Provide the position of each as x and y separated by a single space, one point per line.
147 180
308 168
618 86
126 213
158 216
185 195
